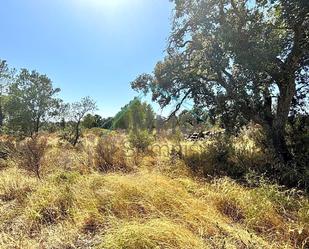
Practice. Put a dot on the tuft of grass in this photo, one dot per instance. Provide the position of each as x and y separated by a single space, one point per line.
15 185
49 204
155 233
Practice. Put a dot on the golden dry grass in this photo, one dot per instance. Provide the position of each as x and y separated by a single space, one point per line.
159 204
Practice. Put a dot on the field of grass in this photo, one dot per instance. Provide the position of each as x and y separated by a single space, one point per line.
100 196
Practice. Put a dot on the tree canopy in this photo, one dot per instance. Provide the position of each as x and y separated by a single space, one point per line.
241 60
31 101
135 115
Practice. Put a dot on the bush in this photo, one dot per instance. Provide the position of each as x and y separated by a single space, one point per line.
110 153
249 150
7 147
232 156
140 139
29 154
67 134
211 157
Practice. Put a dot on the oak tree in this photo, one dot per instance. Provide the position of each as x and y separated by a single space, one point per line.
241 60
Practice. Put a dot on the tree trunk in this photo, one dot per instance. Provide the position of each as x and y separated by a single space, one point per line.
37 171
1 112
76 133
1 117
37 125
279 144
278 136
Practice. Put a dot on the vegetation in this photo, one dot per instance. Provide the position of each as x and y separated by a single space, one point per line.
77 112
135 115
243 62
230 172
97 196
30 102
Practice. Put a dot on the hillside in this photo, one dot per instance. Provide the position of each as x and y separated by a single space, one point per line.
105 194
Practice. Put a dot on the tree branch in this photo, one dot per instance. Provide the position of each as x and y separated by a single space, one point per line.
179 105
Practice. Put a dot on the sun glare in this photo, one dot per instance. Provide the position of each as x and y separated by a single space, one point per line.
109 8
106 4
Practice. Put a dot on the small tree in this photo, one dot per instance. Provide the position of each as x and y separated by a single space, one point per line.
135 115
77 112
140 139
31 101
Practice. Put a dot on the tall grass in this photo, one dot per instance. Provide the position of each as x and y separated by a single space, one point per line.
111 201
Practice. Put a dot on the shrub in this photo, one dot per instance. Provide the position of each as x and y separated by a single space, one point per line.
99 132
249 150
110 153
140 139
7 147
211 157
29 154
67 134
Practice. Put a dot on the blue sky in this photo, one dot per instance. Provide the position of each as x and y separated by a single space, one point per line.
87 47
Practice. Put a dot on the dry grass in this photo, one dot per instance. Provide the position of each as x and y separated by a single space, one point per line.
156 233
156 205
15 184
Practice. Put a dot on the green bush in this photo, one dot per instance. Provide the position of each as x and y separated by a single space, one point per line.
140 139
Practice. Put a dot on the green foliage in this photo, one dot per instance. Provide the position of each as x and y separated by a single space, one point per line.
92 121
107 123
298 142
135 115
140 139
211 158
31 101
243 62
191 119
5 77
234 156
76 112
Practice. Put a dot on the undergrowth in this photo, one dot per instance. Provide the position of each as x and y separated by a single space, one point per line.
95 196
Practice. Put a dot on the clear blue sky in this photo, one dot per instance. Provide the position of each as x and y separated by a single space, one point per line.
87 47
